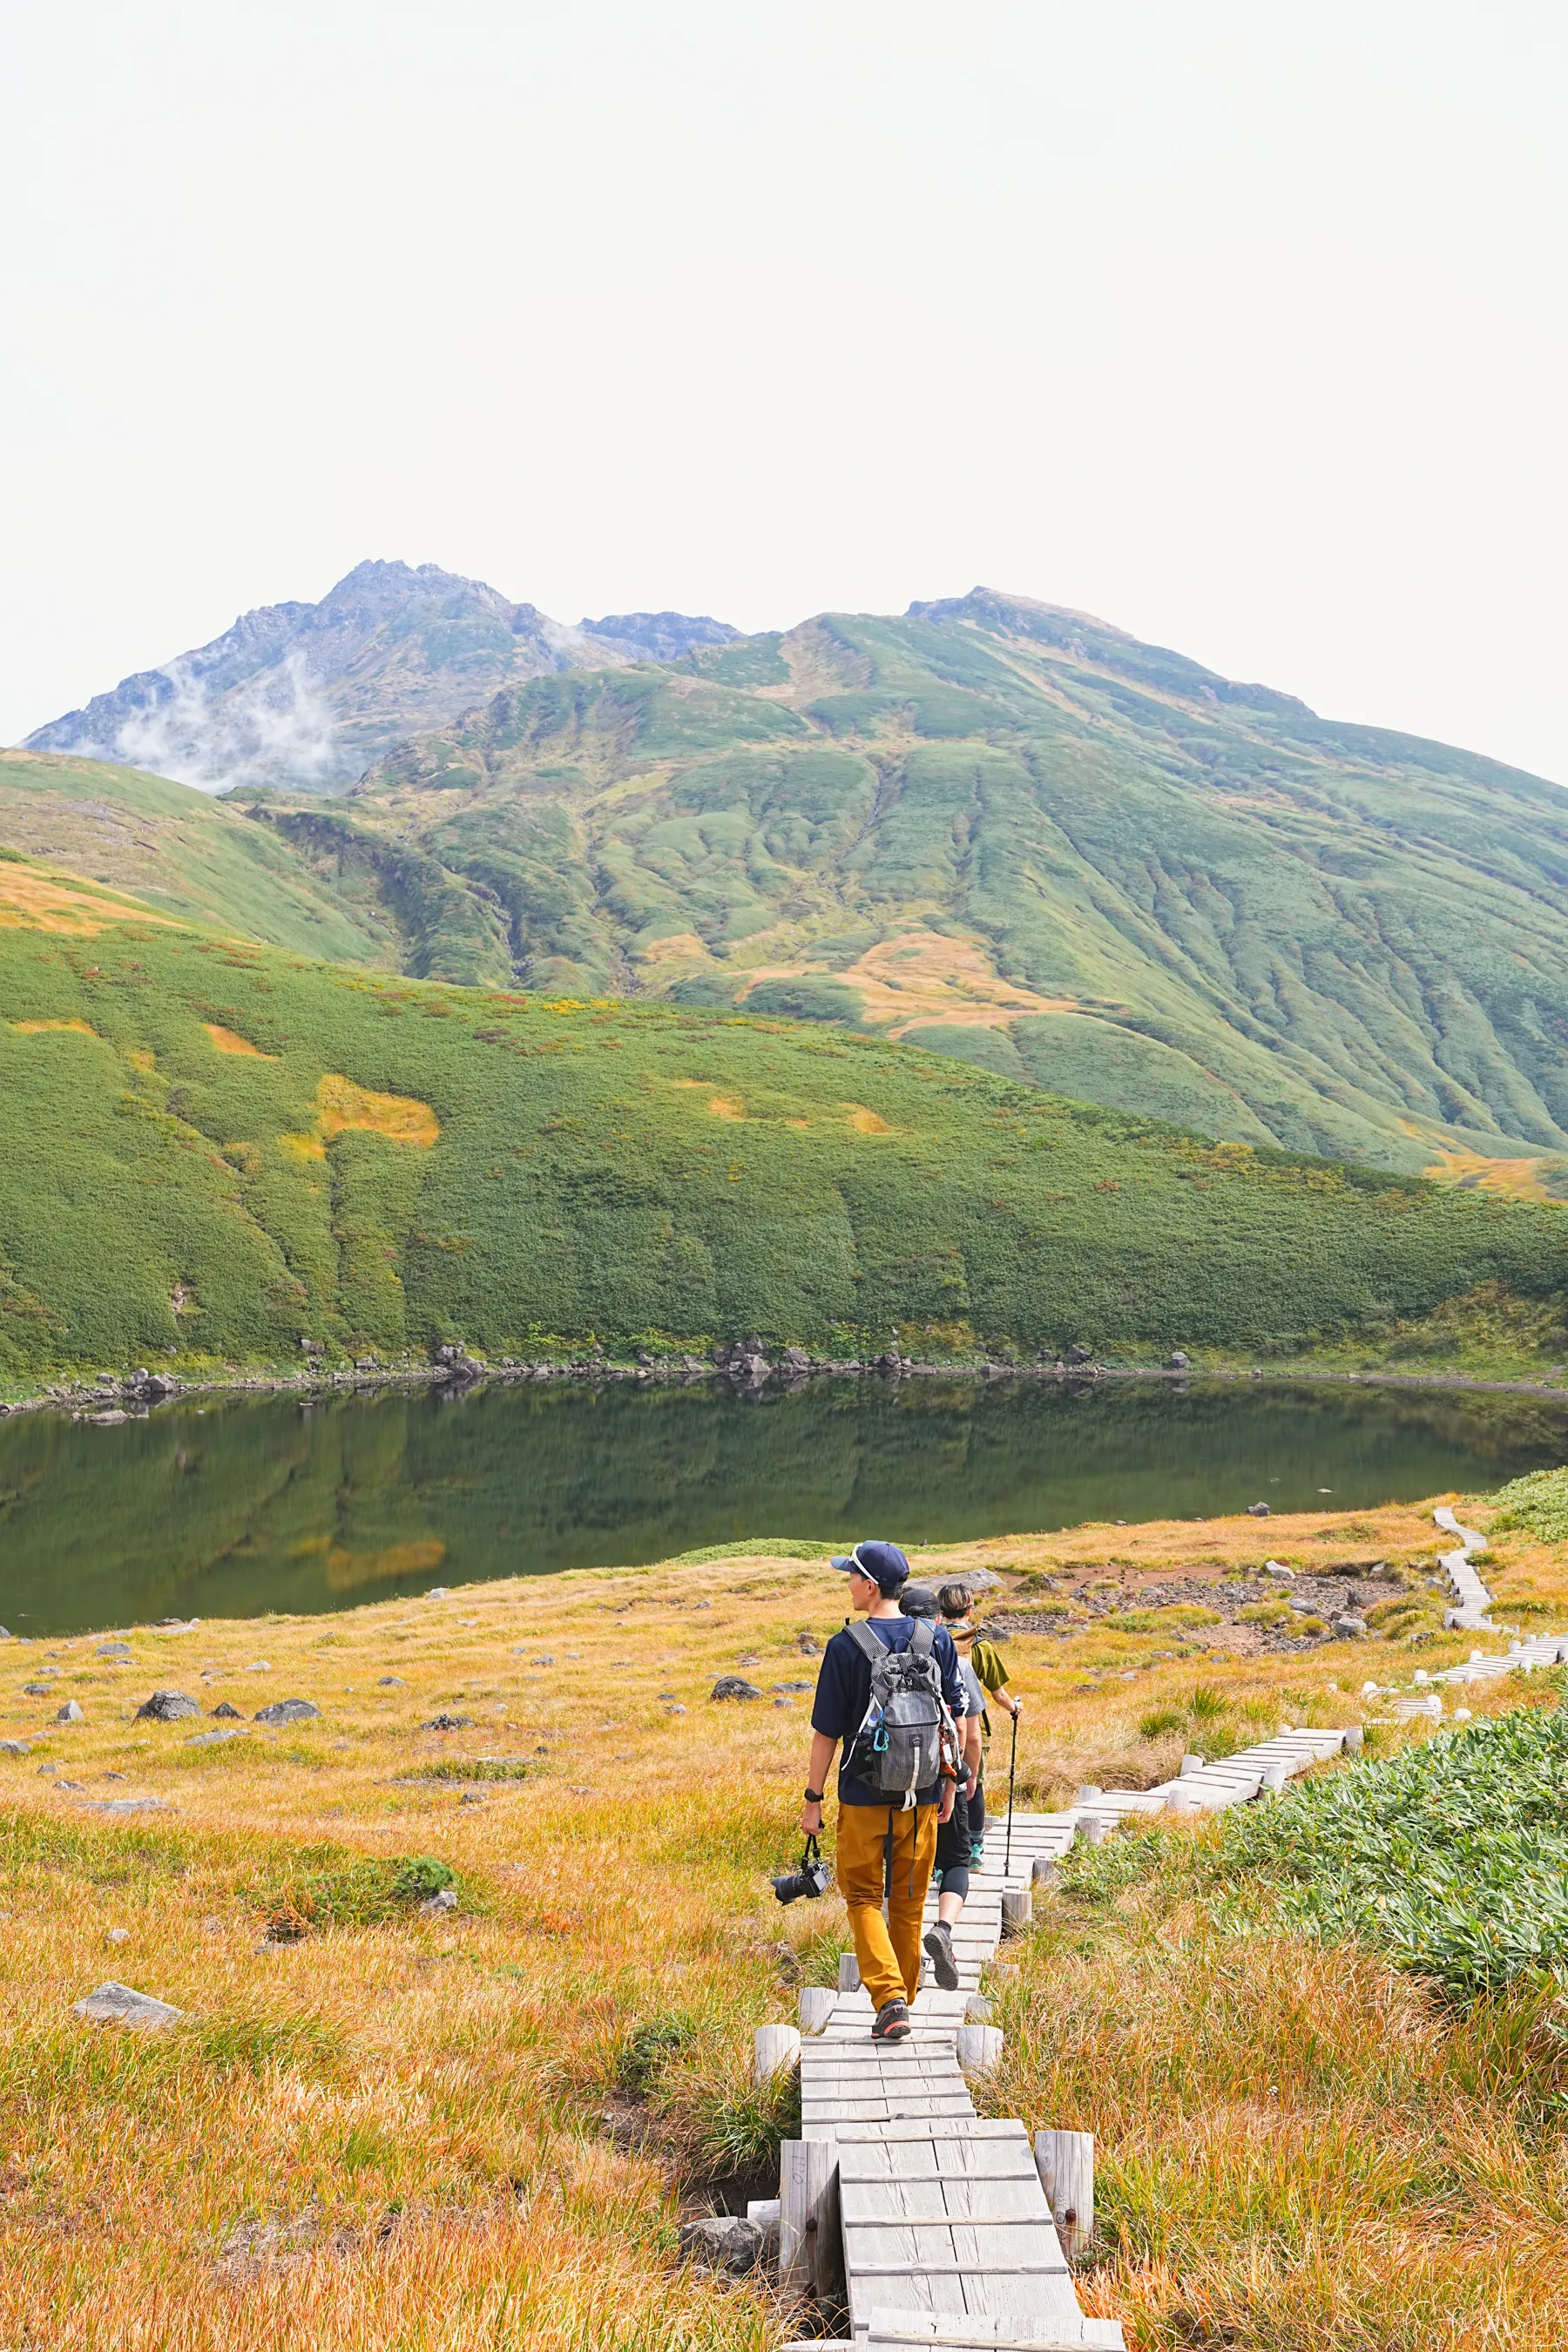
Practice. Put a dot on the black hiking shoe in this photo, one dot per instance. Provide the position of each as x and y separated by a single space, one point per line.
892 2023
939 1945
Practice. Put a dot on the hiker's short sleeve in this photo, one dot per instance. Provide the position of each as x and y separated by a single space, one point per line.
989 1664
834 1710
953 1688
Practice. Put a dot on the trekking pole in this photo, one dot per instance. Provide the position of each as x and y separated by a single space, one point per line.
1012 1767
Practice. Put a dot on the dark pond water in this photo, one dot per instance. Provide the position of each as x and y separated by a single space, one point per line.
259 1504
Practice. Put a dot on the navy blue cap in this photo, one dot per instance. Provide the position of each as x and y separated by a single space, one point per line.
883 1562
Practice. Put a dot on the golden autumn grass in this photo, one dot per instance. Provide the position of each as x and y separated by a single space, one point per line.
476 2129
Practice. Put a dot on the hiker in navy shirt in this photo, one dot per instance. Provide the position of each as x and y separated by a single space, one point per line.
882 1844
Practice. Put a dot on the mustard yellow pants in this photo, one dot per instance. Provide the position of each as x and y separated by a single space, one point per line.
889 1950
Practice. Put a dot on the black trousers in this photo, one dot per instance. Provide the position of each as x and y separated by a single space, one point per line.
955 1840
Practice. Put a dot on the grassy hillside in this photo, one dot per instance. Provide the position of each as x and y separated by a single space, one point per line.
1009 832
185 852
373 2125
1036 841
215 1151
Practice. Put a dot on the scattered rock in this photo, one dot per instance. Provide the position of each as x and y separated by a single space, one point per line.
260 1667
226 1712
130 1805
118 2005
788 1960
166 1706
113 1650
1258 1510
109 1420
1276 1567
446 1900
676 1709
392 1682
287 1710
1073 1354
445 1722
35 1690
216 1738
808 1645
439 1592
117 1935
793 1686
471 1797
749 1658
15 1746
1350 1626
736 1687
69 1713
722 2241
1177 1360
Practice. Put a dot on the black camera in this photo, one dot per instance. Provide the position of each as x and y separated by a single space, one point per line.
812 1879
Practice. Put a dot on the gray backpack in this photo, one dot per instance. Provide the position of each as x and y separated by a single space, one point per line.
898 1748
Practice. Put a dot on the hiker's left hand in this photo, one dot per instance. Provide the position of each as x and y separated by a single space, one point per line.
948 1792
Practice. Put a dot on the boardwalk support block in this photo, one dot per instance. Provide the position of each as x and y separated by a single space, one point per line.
811 2250
979 2048
774 2047
1065 2161
816 2006
1017 1909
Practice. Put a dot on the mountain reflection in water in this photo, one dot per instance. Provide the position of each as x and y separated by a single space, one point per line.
249 1505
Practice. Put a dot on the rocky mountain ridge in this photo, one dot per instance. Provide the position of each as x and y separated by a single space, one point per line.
304 697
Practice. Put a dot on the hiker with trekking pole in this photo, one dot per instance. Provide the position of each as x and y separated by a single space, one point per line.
890 1693
985 1671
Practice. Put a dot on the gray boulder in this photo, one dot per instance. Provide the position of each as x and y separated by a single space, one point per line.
118 2005
287 1710
224 1712
1350 1627
445 1722
166 1706
446 1900
1177 1360
15 1746
1258 1510
722 2241
1074 1354
736 1687
69 1713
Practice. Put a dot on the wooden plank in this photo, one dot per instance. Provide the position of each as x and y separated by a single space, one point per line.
935 2266
983 2127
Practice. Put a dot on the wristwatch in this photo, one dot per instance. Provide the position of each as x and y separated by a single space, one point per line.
813 1796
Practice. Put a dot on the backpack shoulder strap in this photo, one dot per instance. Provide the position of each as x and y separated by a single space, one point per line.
865 1642
922 1641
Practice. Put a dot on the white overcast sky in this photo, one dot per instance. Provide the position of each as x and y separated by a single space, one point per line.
1237 322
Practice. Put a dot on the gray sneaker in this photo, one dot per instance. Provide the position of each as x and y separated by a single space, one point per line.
938 1945
892 2023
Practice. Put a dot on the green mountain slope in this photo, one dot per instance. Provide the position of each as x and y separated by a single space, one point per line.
212 1152
1002 831
1199 895
182 852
